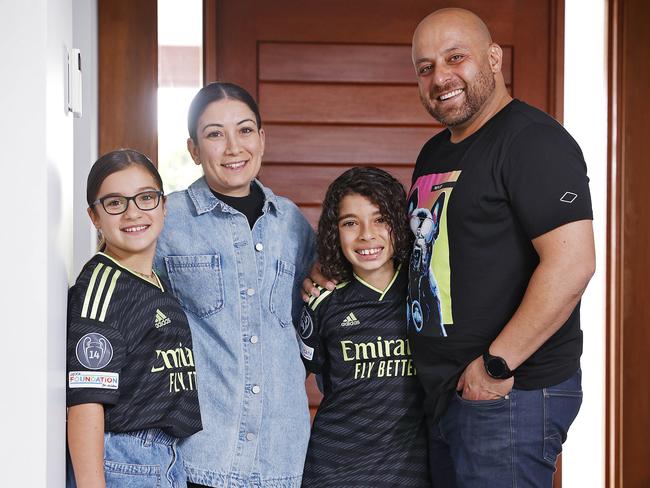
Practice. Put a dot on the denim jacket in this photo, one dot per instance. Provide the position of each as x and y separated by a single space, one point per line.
241 291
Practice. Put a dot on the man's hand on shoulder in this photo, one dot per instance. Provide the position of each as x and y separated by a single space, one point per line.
316 278
476 384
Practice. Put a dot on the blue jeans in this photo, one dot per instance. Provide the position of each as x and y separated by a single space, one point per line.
509 442
140 459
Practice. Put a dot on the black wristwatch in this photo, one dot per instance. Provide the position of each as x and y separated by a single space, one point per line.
496 366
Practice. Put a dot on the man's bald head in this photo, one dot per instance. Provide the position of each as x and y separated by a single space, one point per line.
457 19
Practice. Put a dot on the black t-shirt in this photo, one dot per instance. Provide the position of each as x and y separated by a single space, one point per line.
251 205
130 348
369 429
475 206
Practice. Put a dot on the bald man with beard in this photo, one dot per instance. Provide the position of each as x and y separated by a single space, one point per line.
512 255
504 248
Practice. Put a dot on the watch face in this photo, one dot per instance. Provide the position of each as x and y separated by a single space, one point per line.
496 367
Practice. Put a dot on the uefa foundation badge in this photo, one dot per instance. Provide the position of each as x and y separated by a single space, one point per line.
94 351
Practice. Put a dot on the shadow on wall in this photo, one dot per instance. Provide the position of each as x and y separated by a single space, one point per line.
59 246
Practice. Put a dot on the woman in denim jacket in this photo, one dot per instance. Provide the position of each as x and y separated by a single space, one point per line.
235 255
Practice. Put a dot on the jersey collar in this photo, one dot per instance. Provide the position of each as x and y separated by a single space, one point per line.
133 273
382 293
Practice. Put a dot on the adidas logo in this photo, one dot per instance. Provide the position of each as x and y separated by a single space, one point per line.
350 320
161 319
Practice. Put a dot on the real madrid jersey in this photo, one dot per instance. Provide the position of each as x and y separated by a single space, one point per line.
369 429
130 349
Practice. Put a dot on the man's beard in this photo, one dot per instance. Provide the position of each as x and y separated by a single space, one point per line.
476 95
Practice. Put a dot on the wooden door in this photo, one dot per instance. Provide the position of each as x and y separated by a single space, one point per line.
628 308
128 76
336 86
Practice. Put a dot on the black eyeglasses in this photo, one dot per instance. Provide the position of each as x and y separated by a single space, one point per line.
117 204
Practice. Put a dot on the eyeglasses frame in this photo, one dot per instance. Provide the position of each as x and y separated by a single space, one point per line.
160 194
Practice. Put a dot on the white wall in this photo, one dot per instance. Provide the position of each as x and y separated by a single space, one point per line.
84 19
23 296
36 168
585 117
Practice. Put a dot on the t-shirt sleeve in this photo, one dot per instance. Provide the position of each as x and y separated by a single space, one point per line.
304 261
95 353
546 179
309 340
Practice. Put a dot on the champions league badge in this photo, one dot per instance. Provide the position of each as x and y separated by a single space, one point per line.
94 351
306 325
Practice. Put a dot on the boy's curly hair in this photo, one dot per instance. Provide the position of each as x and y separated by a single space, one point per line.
386 193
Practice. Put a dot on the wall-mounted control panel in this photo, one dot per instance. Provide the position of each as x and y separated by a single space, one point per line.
74 82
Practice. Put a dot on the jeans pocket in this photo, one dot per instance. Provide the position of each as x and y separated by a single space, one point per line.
197 282
560 410
495 402
281 299
125 475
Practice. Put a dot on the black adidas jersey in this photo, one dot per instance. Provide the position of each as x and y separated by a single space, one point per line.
369 430
130 348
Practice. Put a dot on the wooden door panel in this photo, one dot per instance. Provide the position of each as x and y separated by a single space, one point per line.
309 183
359 63
336 144
312 213
345 63
342 104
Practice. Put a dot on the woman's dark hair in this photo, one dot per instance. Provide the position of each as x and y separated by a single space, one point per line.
381 189
214 92
113 162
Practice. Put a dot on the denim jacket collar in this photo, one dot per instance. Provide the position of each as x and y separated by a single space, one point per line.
204 200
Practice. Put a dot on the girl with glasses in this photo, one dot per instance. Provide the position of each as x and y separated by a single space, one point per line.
131 389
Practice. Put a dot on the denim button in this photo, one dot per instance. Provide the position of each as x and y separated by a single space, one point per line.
254 339
250 436
259 246
250 292
256 389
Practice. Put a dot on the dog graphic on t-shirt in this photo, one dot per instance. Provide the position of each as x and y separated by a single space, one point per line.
424 299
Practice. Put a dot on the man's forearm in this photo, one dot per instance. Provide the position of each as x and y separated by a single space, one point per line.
553 292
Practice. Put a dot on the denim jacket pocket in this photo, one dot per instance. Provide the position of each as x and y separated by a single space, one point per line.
197 282
282 292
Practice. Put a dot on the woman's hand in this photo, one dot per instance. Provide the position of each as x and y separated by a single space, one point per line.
315 278
86 444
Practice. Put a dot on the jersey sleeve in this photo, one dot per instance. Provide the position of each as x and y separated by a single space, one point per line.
309 339
95 348
546 179
304 261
